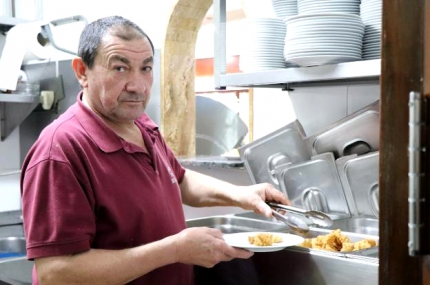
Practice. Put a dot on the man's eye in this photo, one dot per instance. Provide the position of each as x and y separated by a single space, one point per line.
147 69
120 68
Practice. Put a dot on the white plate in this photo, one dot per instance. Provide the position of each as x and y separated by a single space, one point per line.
325 16
241 240
315 23
293 56
323 45
316 60
326 39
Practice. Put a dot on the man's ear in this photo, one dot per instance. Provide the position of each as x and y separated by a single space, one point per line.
80 69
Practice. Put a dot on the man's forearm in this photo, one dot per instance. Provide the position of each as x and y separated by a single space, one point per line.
98 266
199 190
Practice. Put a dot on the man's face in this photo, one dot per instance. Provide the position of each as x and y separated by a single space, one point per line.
119 84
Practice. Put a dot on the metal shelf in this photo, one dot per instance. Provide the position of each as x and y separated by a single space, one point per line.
19 98
366 70
14 109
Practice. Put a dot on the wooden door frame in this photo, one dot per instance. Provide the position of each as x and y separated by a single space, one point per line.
404 66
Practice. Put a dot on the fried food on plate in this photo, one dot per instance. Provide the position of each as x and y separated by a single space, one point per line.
264 239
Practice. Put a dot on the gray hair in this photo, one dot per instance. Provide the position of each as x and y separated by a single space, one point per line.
92 35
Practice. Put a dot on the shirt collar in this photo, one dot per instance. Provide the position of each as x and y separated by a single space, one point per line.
106 139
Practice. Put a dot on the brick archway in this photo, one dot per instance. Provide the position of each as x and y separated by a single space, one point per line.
178 75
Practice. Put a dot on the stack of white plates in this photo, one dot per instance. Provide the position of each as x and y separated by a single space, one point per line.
371 13
318 39
263 44
285 8
332 6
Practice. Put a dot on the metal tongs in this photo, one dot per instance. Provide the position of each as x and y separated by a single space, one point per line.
316 217
296 224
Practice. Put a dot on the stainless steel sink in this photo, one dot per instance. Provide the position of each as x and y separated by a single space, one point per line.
359 225
235 224
12 245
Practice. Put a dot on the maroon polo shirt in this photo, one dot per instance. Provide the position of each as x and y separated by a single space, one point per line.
84 187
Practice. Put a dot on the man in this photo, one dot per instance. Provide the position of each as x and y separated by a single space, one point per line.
102 193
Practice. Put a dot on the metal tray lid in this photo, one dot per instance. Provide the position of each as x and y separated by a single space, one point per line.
314 185
360 177
357 133
283 146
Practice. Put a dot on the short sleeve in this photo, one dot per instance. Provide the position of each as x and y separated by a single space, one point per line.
58 213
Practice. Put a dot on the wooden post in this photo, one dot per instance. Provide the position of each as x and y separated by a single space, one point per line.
178 75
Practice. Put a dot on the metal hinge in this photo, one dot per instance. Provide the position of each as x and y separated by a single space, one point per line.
417 123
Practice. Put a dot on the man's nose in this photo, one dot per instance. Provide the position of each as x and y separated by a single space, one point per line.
137 83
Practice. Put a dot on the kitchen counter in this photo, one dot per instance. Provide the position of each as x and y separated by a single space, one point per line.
212 162
230 169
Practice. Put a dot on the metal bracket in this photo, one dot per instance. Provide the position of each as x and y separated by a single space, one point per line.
220 22
287 87
416 150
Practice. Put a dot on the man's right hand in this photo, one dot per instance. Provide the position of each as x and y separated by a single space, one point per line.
205 247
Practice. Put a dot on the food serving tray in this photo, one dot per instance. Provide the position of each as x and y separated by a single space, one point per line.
354 237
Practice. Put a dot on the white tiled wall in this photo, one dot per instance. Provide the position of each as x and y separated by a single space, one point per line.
272 110
319 107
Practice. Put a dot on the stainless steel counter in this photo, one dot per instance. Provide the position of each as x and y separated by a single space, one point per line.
15 269
292 265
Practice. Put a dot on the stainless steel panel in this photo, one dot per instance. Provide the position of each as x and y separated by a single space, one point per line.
315 185
359 225
218 128
355 134
235 224
360 177
283 146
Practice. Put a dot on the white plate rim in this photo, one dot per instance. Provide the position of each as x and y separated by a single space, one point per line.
322 15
